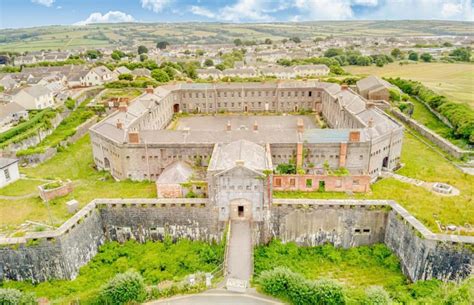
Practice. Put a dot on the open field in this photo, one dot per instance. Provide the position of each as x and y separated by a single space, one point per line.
102 35
357 269
156 261
454 80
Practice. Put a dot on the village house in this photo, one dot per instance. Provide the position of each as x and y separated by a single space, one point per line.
98 76
209 73
35 97
12 112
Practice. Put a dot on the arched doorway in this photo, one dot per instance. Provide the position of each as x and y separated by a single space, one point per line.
106 163
246 108
176 108
385 162
240 209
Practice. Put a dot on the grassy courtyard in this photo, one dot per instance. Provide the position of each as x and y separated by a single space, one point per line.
157 262
454 80
358 269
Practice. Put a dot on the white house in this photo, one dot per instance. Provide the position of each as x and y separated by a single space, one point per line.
209 73
311 70
12 112
8 171
35 97
98 76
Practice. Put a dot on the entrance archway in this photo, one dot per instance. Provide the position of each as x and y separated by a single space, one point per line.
246 108
176 108
385 162
106 163
240 209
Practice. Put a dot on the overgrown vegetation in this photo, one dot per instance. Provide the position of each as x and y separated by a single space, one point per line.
39 120
155 262
461 116
64 130
306 275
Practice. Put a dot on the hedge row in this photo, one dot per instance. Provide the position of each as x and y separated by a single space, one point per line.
283 283
42 118
461 116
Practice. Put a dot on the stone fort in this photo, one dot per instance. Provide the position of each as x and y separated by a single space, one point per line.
228 162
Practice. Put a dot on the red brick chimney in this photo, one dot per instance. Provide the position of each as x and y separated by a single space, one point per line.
344 87
149 90
119 124
354 136
133 137
122 107
371 122
300 125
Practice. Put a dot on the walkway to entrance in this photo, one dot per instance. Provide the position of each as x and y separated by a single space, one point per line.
239 256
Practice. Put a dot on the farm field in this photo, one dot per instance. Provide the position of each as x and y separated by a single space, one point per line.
454 80
102 35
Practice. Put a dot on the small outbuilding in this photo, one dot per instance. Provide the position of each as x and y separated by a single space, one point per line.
8 171
175 181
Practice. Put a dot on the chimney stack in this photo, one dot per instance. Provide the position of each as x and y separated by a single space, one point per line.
300 125
369 105
228 126
119 124
133 137
344 87
149 90
122 107
354 136
371 122
240 162
255 126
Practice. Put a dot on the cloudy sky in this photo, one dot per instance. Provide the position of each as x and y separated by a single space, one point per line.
27 13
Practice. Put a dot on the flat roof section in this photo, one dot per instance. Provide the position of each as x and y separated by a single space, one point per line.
243 122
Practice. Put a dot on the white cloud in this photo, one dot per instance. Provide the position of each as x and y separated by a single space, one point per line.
451 9
365 2
155 5
47 3
325 9
201 11
110 17
252 10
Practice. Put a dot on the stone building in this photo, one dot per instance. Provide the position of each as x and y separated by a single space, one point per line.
241 151
375 88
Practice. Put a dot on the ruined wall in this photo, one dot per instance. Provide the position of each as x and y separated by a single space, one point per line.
144 222
342 225
426 257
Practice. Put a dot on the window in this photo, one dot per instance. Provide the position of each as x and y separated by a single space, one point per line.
7 174
310 93
278 182
338 183
292 182
309 182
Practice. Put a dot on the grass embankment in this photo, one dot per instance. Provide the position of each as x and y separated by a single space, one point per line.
130 93
74 162
421 162
358 269
39 120
155 261
453 80
65 129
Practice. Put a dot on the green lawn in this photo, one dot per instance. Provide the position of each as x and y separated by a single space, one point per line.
131 93
454 80
155 261
357 269
74 163
423 163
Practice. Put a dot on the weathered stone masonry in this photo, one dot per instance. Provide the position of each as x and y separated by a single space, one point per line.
344 223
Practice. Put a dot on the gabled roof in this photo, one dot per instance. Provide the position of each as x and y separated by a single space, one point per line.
36 91
371 82
176 172
251 155
4 162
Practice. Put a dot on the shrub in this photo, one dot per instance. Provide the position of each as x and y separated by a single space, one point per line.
376 295
284 283
70 103
123 288
10 296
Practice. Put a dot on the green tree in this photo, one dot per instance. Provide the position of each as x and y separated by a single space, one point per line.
142 50
461 54
220 67
268 41
396 53
295 39
332 52
162 45
93 54
208 63
117 55
124 288
125 76
426 57
413 56
238 42
143 57
160 75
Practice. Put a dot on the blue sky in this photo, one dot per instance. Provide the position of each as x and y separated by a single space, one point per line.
27 13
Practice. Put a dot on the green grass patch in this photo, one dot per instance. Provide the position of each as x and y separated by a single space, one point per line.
358 269
155 261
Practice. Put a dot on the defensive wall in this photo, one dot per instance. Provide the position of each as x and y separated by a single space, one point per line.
60 253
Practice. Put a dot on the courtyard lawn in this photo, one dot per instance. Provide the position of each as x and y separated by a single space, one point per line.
357 269
74 163
155 261
420 162
454 80
130 93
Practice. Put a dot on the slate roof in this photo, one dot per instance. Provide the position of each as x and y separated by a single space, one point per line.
176 172
371 82
4 162
252 155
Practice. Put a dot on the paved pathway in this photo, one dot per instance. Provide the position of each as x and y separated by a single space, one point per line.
219 297
239 260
